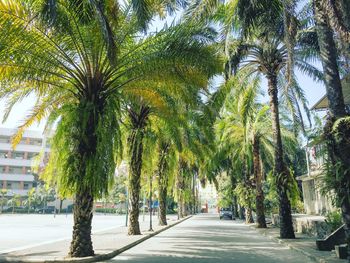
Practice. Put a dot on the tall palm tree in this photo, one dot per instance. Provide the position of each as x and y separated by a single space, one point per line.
242 127
161 98
81 87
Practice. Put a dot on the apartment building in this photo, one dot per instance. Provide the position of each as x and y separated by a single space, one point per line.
16 175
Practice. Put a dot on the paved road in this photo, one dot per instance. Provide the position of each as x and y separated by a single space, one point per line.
19 232
206 239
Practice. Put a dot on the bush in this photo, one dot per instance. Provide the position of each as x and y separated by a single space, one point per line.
334 220
106 210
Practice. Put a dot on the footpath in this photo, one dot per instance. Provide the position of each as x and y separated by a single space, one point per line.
302 243
107 244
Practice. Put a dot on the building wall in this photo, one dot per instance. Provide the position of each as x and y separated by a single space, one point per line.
315 202
16 174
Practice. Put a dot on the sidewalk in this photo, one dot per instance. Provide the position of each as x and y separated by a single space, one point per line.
106 244
302 243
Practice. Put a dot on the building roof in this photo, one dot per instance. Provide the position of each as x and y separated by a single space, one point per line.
322 104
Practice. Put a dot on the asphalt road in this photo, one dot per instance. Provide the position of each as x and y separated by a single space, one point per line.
206 239
19 232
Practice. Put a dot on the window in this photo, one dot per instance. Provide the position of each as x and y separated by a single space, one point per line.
35 142
31 156
28 170
2 169
18 155
4 139
25 186
15 170
1 185
9 185
3 154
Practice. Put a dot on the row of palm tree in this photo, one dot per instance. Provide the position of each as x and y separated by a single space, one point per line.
93 70
103 80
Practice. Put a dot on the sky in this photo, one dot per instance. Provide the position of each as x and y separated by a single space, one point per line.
313 91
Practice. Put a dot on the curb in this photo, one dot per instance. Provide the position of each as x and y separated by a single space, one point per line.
290 246
100 257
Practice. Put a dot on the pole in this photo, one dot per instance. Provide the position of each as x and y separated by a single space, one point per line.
143 209
126 207
150 204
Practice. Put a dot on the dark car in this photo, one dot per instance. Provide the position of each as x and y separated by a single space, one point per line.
226 213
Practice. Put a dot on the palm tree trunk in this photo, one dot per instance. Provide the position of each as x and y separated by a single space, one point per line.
136 148
81 245
285 212
329 62
260 213
235 207
135 140
249 215
336 105
163 183
180 185
338 18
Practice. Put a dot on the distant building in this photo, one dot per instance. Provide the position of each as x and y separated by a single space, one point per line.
16 175
208 197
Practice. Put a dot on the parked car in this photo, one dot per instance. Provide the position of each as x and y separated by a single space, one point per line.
226 213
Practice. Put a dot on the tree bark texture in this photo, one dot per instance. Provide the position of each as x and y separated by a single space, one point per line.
280 171
336 12
260 213
135 140
249 215
180 185
329 62
81 245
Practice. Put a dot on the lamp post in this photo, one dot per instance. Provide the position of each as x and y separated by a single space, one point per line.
150 203
126 207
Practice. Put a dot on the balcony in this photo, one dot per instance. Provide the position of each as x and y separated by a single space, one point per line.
15 162
16 177
12 192
22 147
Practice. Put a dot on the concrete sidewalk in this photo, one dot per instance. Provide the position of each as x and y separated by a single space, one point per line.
107 244
304 244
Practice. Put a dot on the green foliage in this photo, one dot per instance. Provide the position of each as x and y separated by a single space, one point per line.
290 184
225 191
271 198
334 220
245 194
106 210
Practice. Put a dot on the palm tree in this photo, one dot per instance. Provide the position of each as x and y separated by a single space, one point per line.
30 198
80 85
163 180
242 127
14 201
3 193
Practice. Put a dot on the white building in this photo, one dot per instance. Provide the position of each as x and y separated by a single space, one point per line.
16 174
